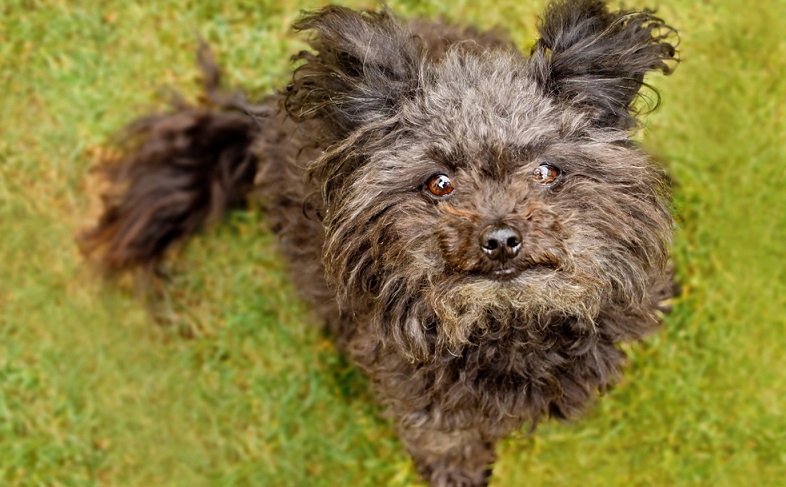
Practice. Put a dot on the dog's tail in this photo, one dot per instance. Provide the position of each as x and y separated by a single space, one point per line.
173 172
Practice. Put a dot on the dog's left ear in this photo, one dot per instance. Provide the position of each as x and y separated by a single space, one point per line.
363 65
596 59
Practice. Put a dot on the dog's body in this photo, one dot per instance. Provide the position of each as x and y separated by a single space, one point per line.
475 226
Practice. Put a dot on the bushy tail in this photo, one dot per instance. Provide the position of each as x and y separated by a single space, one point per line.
173 172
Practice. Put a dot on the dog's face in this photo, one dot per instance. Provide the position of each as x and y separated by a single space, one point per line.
485 189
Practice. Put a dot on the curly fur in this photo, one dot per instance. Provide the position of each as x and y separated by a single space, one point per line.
460 354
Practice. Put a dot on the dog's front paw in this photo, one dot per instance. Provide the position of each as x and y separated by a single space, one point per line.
460 478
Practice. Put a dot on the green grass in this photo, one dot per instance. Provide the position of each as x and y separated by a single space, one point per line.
237 386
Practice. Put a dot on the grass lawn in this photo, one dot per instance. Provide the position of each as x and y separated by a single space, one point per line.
236 386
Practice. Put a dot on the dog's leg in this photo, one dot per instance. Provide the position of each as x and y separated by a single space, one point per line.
446 432
451 458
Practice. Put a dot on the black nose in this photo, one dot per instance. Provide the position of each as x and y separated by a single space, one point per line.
500 242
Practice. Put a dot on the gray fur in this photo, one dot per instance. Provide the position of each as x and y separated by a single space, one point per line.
461 349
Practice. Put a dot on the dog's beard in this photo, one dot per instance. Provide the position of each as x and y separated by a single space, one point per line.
428 311
470 306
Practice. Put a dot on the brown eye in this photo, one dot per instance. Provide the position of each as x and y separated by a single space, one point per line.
440 185
546 174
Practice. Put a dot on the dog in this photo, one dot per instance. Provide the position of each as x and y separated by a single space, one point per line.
475 225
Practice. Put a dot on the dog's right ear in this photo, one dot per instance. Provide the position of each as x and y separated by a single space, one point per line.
364 64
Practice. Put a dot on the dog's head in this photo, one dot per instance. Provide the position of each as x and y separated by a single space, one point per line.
485 188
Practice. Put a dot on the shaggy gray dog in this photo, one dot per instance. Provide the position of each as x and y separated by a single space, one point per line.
475 226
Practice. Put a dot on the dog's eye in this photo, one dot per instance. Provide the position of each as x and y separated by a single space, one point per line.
546 174
440 185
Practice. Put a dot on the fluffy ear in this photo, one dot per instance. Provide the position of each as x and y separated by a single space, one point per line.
596 59
362 66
